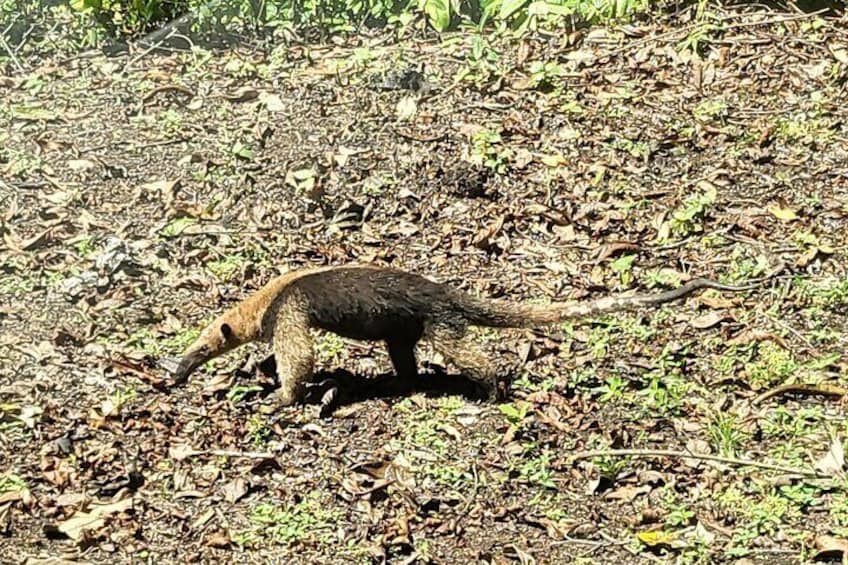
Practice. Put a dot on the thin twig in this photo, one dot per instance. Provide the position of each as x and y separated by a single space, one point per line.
10 51
699 456
135 147
234 454
804 388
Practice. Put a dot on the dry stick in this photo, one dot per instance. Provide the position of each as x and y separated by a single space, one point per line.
9 51
805 388
235 454
167 88
700 456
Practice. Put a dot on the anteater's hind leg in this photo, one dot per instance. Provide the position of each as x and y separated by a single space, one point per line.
293 350
459 349
402 354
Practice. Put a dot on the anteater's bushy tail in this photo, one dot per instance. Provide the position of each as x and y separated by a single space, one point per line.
501 314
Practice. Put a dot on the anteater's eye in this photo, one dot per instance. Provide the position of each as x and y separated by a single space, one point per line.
226 331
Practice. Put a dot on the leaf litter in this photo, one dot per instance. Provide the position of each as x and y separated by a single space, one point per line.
619 159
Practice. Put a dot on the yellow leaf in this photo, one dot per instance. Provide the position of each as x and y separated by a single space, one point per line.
553 160
785 214
656 537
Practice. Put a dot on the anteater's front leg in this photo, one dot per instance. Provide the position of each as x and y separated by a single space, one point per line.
293 350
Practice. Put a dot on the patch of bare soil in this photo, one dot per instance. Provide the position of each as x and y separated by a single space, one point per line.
139 202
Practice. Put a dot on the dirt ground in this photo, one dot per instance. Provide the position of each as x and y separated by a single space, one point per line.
144 194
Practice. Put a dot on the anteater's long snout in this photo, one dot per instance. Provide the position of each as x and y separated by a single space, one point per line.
181 367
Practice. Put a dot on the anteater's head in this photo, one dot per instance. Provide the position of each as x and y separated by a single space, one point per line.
228 331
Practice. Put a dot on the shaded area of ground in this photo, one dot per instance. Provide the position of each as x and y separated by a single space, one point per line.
137 203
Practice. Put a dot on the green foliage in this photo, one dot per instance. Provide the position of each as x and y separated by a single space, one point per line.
537 471
689 218
11 483
93 20
489 151
121 16
285 526
257 431
726 434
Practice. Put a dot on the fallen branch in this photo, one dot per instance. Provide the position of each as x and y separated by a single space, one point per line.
167 88
228 453
803 388
699 456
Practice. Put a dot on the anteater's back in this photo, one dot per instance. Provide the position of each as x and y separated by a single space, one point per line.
377 304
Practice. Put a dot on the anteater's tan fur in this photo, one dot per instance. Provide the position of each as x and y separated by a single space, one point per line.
375 303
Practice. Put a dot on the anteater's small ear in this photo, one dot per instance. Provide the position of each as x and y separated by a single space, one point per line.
226 331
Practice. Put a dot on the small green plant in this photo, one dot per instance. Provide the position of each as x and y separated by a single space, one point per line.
805 129
525 383
678 513
488 151
285 526
238 393
329 347
544 75
710 110
623 265
725 433
228 267
613 390
257 431
117 16
84 246
771 365
689 218
707 27
242 150
515 413
20 163
16 285
537 470
610 467
638 149
482 63
838 512
830 293
786 425
177 226
10 482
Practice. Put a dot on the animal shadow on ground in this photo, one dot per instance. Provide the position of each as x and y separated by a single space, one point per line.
340 387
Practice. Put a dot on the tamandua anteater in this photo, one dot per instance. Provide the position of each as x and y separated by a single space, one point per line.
377 303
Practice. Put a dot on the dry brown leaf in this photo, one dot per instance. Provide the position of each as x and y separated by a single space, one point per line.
833 462
716 301
628 493
81 164
235 490
710 319
180 452
243 94
219 540
81 522
608 250
749 336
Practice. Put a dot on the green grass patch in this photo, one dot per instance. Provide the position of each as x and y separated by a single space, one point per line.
299 522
